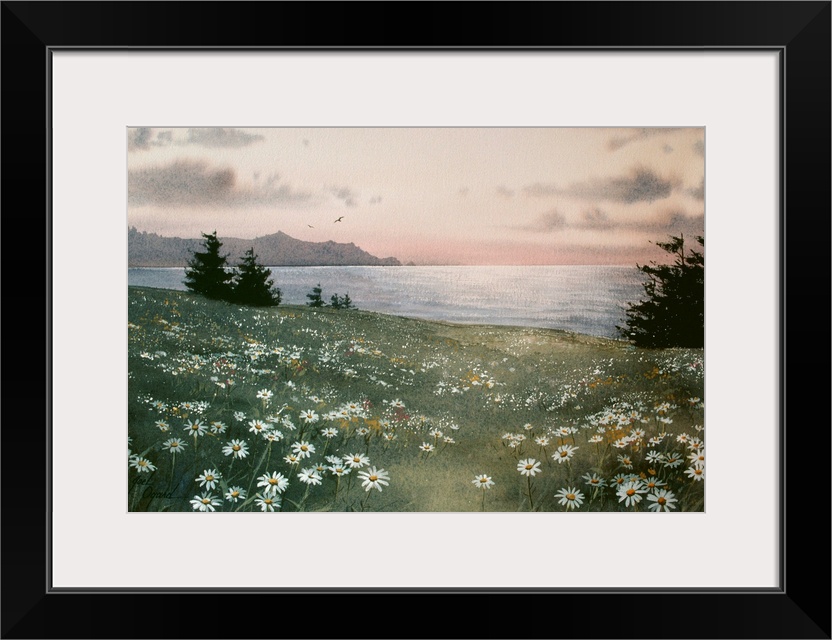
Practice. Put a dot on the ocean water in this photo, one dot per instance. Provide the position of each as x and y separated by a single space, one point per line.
584 299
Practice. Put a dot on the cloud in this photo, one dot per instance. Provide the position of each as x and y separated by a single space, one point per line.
540 190
641 186
139 138
345 194
670 221
697 192
594 219
186 183
553 220
614 144
375 199
144 138
505 192
549 221
218 137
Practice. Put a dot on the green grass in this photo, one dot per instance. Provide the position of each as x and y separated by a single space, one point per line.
195 359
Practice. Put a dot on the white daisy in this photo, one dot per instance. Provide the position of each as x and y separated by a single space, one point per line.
209 478
374 478
310 476
570 497
564 453
236 448
696 472
195 428
274 483
269 502
630 492
235 494
528 467
661 500
303 449
142 465
356 460
174 445
205 502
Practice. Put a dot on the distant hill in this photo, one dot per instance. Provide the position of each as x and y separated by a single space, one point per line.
275 250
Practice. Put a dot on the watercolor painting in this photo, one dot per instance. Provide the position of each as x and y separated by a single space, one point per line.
416 320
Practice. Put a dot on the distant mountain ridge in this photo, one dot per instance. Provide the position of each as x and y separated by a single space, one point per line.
276 250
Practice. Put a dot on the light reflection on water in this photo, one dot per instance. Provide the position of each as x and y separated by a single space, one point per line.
584 299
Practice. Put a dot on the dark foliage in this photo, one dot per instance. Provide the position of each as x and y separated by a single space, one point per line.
673 315
315 297
341 302
253 285
207 271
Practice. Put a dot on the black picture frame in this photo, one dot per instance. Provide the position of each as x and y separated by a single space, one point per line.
799 31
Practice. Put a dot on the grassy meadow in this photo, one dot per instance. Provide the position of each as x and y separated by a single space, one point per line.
291 408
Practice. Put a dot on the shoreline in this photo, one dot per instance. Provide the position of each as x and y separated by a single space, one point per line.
561 336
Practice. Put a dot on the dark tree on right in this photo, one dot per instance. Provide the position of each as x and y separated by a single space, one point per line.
207 273
673 315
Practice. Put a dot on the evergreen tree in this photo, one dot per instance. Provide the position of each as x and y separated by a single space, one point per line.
207 273
315 297
673 315
341 302
253 284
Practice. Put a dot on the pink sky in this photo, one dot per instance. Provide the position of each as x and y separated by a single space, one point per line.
427 195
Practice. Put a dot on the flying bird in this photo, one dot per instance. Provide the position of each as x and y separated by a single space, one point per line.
310 226
339 219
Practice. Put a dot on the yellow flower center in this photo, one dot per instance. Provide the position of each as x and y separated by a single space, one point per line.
209 478
205 501
195 427
698 472
142 463
570 496
661 501
174 445
272 480
483 480
563 454
373 478
528 466
268 501
631 492
236 447
304 448
235 494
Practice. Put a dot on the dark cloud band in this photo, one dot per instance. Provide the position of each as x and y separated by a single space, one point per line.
642 186
186 183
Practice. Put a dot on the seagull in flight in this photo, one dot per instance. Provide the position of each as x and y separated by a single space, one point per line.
310 226
339 219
